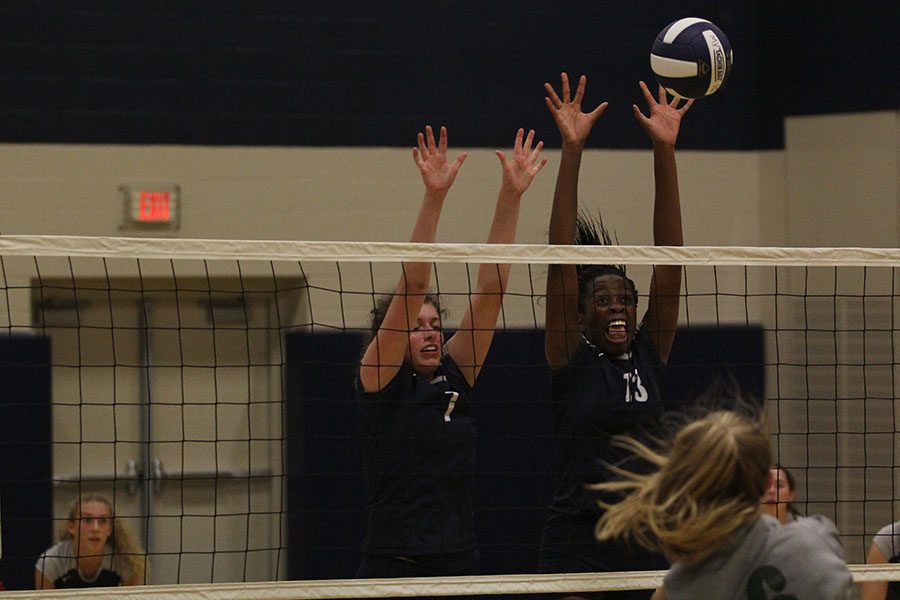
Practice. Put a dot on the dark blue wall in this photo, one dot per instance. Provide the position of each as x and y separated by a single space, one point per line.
26 490
277 72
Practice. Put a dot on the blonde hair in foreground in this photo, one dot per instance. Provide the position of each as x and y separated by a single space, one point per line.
123 541
708 486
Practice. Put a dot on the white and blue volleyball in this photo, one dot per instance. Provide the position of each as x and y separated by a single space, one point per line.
691 58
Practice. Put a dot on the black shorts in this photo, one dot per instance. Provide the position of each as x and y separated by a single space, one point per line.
380 566
376 566
568 546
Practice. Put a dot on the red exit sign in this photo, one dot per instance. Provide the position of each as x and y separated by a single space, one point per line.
155 206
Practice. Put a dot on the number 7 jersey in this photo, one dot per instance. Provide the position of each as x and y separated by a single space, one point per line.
418 445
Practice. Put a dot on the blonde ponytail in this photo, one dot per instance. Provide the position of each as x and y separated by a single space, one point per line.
707 487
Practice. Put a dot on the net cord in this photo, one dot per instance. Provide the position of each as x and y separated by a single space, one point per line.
404 587
168 248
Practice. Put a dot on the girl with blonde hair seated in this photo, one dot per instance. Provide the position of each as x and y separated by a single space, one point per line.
96 549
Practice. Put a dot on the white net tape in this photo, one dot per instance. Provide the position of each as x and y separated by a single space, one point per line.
12 245
408 587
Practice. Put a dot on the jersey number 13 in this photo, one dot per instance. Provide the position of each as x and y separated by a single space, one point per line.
634 388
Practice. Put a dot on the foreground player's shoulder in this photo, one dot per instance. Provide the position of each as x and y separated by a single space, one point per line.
807 555
813 530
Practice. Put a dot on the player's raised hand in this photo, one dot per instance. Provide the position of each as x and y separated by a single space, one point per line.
523 165
574 124
664 120
431 158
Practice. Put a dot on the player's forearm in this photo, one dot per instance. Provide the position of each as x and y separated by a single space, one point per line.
506 218
425 228
667 229
492 278
564 214
417 275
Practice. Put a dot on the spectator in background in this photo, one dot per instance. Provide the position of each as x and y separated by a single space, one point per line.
885 549
780 495
95 550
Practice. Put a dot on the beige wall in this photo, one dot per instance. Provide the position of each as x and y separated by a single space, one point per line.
836 183
843 180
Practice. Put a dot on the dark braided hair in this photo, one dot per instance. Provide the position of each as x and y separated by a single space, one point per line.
590 231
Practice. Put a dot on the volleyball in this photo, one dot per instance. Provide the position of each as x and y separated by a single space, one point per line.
691 58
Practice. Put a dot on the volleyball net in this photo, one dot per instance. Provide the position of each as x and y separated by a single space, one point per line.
206 388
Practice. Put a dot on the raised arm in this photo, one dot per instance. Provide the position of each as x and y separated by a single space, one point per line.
662 125
384 355
470 345
562 331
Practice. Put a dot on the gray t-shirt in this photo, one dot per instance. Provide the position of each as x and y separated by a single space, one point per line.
59 565
888 540
802 560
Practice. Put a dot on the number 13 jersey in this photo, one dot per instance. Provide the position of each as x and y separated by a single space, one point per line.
595 397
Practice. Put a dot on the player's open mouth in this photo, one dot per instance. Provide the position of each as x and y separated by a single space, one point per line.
617 331
429 349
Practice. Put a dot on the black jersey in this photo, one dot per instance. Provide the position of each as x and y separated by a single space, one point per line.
594 398
418 439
